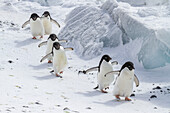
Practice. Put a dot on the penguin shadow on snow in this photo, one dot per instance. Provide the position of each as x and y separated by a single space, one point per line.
90 93
47 77
25 42
41 66
112 103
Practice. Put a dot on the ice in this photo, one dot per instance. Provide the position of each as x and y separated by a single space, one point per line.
148 24
67 3
88 30
145 2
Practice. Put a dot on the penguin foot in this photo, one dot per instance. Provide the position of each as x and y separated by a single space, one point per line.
61 72
49 61
117 97
59 76
103 91
34 37
127 99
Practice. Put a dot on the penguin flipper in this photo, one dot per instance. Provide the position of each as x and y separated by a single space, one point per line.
96 87
54 21
68 49
89 70
114 63
62 41
136 80
46 56
112 73
42 43
51 71
92 69
27 22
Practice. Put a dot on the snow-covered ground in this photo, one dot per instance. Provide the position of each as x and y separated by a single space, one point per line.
26 85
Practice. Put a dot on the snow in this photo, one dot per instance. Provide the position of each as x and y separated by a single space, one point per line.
27 86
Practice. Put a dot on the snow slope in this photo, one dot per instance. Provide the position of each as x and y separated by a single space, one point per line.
27 86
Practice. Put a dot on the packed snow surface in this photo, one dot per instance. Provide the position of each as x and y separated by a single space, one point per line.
27 86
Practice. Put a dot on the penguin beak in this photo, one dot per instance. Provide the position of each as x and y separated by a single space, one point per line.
34 18
45 15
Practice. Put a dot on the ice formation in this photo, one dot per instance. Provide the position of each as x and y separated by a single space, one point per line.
142 22
89 29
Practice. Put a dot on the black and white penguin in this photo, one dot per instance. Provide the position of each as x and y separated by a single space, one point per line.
36 26
51 39
124 82
59 58
105 66
47 22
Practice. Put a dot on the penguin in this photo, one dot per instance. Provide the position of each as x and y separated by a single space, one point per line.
123 85
51 39
47 22
36 26
59 58
105 66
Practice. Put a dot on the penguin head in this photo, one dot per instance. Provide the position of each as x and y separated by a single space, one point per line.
107 58
53 37
128 65
34 16
46 14
56 45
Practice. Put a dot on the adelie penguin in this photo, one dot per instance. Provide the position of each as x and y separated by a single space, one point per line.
36 26
51 39
105 66
47 22
123 85
59 58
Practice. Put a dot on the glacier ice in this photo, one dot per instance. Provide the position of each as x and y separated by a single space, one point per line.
147 23
88 30
145 2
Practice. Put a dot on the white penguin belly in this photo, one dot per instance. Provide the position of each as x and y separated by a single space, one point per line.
59 60
102 80
47 26
124 84
37 28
